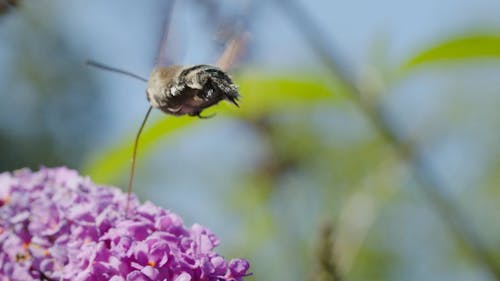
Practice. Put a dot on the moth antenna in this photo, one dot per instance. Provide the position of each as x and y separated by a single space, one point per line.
134 156
113 69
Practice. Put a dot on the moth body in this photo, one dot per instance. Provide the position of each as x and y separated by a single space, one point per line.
180 90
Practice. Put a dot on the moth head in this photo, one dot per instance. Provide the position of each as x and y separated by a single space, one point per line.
181 90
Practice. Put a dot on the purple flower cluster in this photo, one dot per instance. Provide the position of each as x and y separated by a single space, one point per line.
56 225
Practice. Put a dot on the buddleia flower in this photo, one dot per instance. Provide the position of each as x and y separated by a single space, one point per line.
57 225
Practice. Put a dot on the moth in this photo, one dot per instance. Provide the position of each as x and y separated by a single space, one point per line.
184 90
179 90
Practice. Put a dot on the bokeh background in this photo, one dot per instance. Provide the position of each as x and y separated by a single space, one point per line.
300 156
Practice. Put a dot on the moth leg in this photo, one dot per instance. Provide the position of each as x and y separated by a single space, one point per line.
204 116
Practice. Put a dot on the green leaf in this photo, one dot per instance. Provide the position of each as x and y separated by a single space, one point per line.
458 49
261 95
109 165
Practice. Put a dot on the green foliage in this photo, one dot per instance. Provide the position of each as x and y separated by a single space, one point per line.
261 95
457 49
110 164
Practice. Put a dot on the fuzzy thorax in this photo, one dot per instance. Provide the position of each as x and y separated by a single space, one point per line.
180 90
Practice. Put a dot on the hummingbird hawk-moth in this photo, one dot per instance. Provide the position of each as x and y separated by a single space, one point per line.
185 90
179 90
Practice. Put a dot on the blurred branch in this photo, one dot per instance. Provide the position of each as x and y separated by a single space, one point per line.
6 5
424 175
326 260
